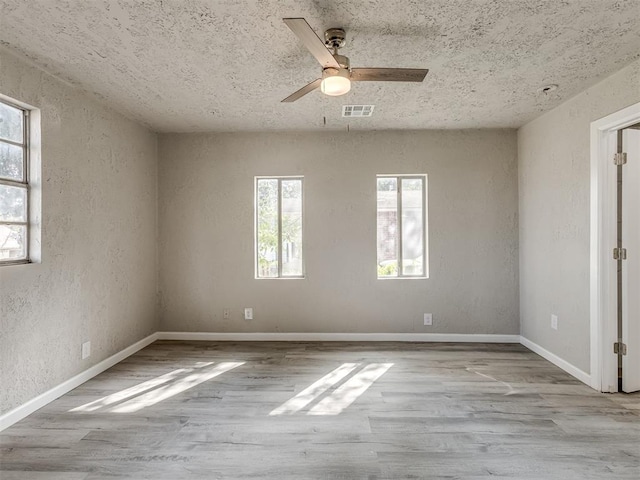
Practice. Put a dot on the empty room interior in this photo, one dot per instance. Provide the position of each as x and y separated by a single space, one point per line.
298 239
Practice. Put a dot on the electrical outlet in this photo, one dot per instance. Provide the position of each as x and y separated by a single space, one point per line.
248 313
86 350
554 322
428 319
226 313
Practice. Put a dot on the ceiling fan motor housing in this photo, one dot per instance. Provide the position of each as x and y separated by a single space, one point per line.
335 38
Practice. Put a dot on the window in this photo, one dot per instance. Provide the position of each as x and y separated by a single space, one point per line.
279 227
14 184
402 247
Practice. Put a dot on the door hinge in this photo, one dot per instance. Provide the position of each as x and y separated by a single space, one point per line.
620 158
619 348
619 253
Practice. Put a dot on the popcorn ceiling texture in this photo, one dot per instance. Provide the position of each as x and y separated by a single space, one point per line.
97 279
181 66
206 185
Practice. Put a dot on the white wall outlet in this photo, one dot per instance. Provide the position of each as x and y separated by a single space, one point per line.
248 313
226 313
428 319
86 350
554 322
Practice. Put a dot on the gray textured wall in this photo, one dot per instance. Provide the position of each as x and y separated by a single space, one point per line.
206 232
554 195
97 279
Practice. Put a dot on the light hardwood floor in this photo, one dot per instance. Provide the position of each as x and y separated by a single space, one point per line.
206 410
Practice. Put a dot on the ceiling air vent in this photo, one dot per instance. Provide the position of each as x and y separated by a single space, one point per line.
357 110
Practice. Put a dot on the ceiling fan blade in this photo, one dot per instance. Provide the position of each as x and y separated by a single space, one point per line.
388 74
310 87
309 39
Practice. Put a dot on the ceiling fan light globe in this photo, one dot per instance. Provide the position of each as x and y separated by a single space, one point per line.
335 86
335 82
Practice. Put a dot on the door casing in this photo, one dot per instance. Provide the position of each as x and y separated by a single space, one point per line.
603 273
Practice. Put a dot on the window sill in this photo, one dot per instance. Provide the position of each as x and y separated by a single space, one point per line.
16 262
279 278
403 278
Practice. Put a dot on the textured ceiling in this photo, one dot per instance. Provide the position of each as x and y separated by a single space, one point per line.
197 65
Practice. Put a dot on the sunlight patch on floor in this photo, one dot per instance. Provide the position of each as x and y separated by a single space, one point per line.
158 389
343 396
348 392
137 389
155 396
309 394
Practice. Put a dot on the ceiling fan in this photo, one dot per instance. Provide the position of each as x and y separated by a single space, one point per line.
337 73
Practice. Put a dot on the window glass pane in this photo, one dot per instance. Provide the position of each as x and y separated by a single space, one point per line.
13 242
11 126
387 227
13 204
11 161
412 227
291 228
267 198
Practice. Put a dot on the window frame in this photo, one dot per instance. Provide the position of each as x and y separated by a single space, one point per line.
279 178
425 243
24 184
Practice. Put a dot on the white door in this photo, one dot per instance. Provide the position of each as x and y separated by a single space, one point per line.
631 266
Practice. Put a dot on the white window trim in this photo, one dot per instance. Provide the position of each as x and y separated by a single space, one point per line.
255 223
25 183
425 228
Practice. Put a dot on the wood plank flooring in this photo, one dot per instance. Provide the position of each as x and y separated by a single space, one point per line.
208 410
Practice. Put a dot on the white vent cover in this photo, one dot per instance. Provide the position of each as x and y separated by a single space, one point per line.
357 110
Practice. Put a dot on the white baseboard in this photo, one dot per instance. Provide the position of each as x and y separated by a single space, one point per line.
557 361
43 399
339 337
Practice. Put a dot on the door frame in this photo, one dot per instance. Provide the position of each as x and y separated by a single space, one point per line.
603 273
